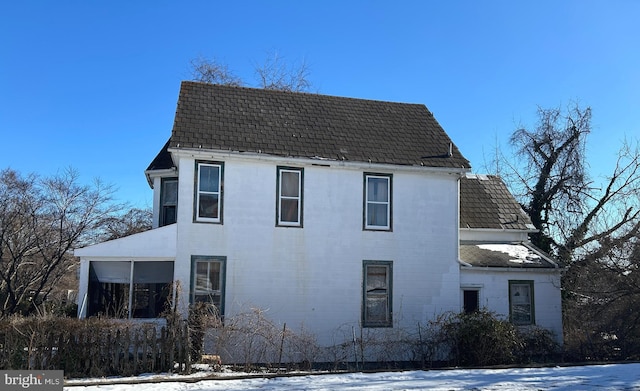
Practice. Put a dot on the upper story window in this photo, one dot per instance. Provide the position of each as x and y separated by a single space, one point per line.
208 199
168 201
377 202
521 304
289 197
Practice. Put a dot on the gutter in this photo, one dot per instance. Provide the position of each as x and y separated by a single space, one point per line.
167 172
317 161
509 230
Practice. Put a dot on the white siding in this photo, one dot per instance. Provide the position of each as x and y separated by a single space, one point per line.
312 276
494 293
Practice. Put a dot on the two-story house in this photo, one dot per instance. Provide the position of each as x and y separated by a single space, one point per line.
324 211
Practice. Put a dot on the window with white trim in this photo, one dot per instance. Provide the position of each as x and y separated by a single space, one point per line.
208 205
208 281
521 303
289 197
377 202
376 295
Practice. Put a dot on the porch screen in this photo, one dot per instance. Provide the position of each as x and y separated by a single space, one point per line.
118 290
112 272
152 272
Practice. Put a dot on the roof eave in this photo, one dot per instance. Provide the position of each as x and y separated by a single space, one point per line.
501 269
513 230
165 172
201 153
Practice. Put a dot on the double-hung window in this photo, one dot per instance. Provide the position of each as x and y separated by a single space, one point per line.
208 206
208 281
377 202
376 286
289 197
168 201
521 303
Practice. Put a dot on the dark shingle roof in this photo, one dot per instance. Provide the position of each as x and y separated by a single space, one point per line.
162 160
485 202
310 126
512 255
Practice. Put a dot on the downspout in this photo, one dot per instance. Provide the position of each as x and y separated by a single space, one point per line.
131 291
458 218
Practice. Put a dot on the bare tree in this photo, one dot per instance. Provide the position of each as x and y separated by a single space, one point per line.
41 221
591 225
214 72
569 208
133 221
602 302
274 74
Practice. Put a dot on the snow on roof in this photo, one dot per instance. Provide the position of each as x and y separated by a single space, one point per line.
518 255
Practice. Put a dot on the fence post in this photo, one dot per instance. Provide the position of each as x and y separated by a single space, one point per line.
284 329
127 346
187 348
136 345
355 348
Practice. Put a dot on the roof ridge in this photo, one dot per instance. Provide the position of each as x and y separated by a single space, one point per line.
307 93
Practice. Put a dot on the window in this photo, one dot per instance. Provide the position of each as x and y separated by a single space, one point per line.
289 197
129 289
209 192
377 205
168 201
471 300
207 281
521 306
377 281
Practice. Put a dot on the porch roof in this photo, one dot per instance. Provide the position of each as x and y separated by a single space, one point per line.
511 255
155 243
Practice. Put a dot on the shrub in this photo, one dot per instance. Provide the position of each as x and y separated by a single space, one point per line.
202 316
479 338
538 345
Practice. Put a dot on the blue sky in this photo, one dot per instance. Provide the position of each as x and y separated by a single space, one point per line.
93 85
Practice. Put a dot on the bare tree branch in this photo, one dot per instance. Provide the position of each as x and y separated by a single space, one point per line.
274 74
41 221
214 72
595 230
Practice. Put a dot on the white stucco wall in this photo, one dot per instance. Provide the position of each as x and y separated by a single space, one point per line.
493 284
311 277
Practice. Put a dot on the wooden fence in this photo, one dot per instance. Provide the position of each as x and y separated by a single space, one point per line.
93 347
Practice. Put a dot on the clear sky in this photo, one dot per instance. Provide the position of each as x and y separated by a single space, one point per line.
93 85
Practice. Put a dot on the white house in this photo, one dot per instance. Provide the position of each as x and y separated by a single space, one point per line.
324 211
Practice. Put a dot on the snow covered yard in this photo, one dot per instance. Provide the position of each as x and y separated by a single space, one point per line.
593 377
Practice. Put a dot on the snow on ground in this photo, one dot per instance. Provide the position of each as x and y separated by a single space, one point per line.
616 377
